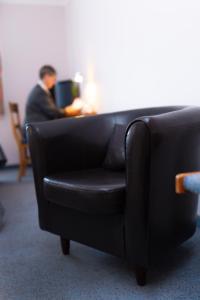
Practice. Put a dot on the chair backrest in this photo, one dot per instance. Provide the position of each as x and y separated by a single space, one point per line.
16 122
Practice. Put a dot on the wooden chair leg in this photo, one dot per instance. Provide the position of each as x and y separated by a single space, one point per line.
65 245
22 162
141 275
24 168
21 171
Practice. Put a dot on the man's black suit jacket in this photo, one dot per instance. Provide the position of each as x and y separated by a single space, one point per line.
41 107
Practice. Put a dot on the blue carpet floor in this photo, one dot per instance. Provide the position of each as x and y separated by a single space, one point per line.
33 267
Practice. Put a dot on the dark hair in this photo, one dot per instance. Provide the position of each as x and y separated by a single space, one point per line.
46 70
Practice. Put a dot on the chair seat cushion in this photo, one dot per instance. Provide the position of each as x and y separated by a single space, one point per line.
95 191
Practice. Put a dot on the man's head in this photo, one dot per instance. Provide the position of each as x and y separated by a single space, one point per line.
48 75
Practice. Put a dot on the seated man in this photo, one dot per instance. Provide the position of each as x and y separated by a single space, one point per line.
40 104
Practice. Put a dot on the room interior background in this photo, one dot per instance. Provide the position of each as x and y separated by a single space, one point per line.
30 36
130 53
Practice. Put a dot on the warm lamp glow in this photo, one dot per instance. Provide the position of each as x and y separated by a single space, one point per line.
78 78
91 96
77 103
89 91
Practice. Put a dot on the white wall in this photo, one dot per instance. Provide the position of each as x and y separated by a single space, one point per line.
30 36
143 53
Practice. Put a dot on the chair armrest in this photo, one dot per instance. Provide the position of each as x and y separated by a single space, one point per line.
137 144
157 148
179 182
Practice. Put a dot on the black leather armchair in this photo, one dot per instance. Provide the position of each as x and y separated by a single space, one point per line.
131 211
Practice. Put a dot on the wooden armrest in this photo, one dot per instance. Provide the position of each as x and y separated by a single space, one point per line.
179 181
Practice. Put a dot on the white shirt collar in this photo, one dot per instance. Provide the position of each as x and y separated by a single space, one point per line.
43 86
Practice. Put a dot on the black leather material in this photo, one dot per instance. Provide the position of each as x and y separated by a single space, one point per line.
115 156
3 158
136 210
159 143
100 192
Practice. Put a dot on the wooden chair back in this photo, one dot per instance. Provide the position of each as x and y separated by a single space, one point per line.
16 122
24 158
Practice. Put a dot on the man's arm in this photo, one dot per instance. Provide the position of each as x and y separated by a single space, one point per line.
48 107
